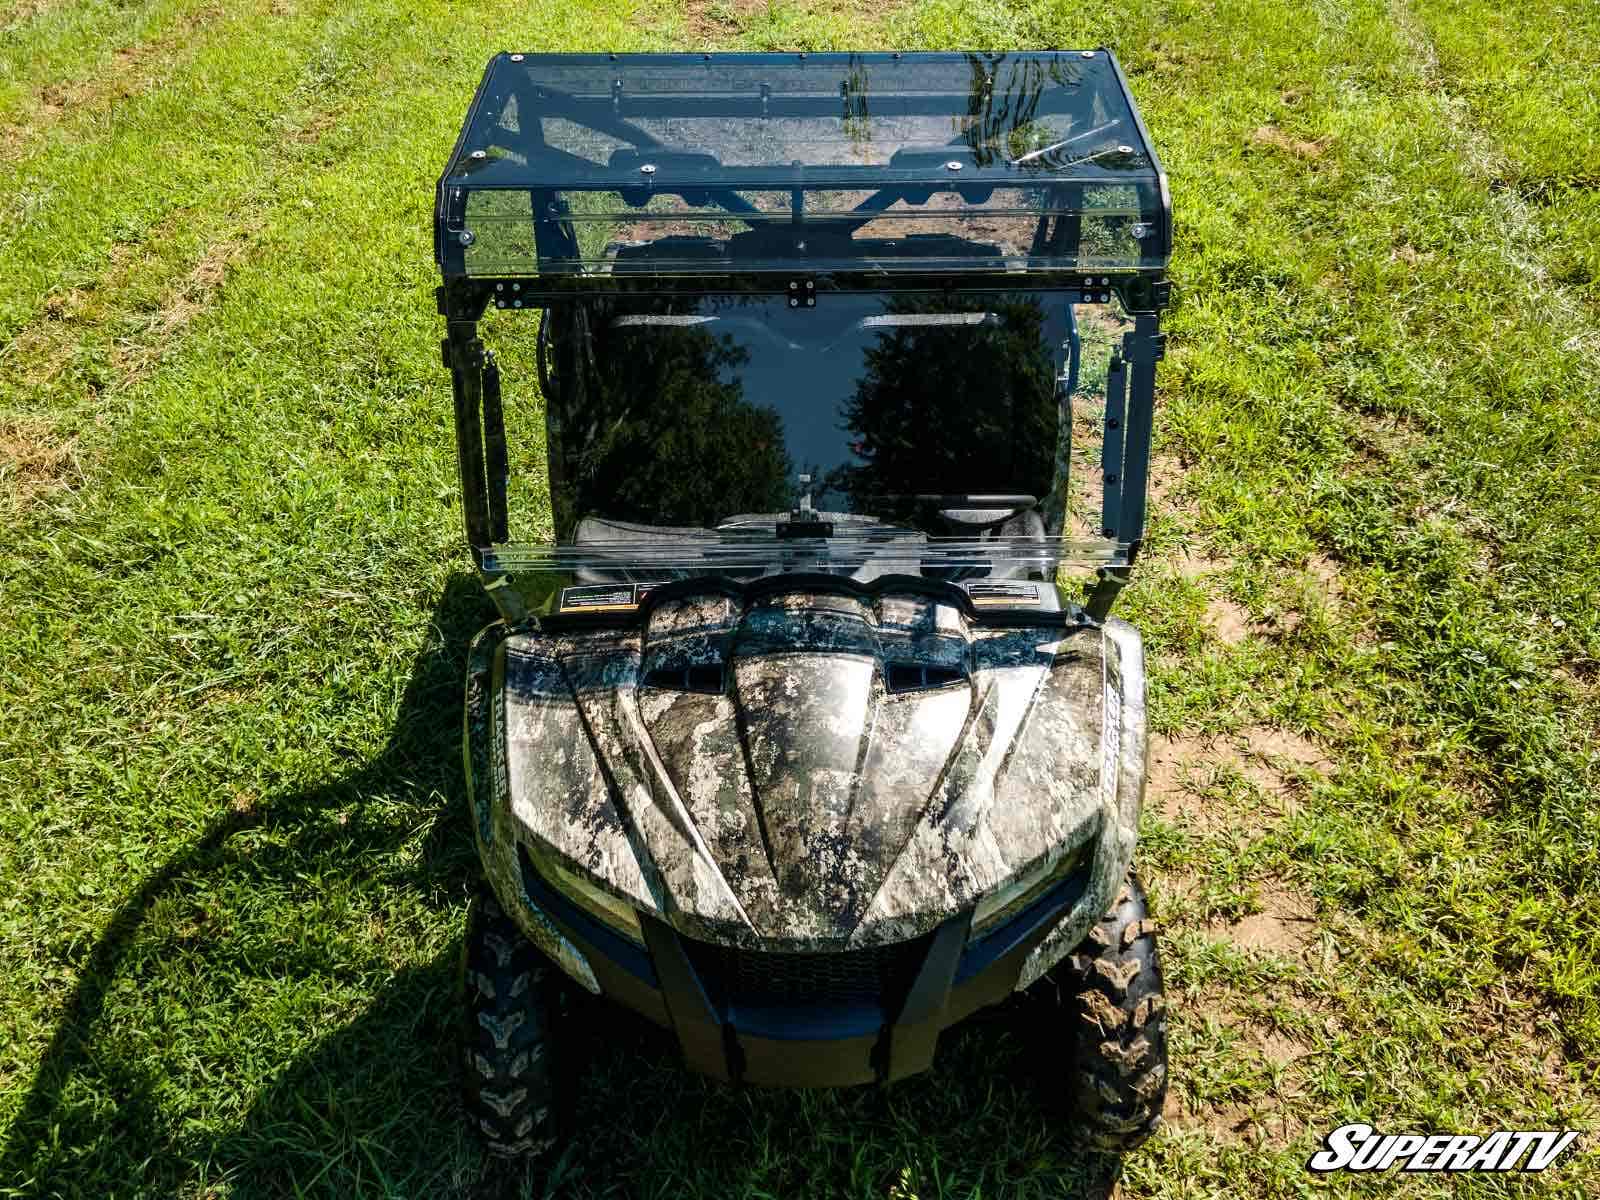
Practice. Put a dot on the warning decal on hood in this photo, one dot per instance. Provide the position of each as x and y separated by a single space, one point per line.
604 597
1021 595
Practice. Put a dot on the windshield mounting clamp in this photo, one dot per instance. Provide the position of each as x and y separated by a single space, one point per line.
804 520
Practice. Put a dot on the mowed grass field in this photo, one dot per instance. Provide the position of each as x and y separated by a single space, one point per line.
234 602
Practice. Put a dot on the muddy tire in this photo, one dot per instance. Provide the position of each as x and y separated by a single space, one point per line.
1110 989
513 1006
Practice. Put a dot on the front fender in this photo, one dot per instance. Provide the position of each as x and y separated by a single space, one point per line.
1125 749
483 747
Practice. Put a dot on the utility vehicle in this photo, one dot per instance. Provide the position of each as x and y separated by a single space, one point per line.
798 733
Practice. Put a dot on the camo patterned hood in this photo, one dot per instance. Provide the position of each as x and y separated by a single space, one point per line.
808 771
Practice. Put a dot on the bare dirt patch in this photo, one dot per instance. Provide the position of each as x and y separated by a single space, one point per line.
1195 565
711 19
1286 924
1185 774
1266 1120
1250 1018
1275 1056
42 350
1280 1048
25 10
313 130
1165 480
38 354
1258 1123
1174 784
1381 438
1511 1018
73 321
1283 749
1230 622
1317 598
1324 573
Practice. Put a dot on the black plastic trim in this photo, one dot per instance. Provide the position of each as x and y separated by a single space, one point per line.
914 1036
605 940
982 953
1075 284
695 1019
836 1018
804 1023
497 457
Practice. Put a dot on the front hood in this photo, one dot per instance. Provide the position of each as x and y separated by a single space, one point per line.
806 770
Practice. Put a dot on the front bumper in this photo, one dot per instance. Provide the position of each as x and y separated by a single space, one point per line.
823 1019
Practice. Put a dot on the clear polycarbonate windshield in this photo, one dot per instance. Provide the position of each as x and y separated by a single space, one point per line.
691 165
724 412
870 434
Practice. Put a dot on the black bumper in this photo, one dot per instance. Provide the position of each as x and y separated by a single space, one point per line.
807 1020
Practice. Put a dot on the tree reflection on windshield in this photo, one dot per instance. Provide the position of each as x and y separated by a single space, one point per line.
664 435
952 410
686 412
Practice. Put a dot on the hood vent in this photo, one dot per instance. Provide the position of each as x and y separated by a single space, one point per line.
903 676
699 677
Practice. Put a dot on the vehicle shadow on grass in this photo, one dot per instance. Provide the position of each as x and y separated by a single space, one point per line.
106 1112
373 1109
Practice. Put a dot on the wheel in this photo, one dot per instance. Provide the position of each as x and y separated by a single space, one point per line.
513 1007
1110 990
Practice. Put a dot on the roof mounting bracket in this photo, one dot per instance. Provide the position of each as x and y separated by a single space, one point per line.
802 293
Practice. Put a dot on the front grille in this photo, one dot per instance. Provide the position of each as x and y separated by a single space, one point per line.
878 976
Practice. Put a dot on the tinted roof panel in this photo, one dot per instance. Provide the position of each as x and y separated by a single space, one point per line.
690 164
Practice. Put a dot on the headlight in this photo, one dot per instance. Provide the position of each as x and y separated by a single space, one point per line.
1011 898
591 897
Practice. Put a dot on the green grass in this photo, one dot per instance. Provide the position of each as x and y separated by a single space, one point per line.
233 852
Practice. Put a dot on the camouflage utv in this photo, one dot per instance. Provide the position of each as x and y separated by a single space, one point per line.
805 730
